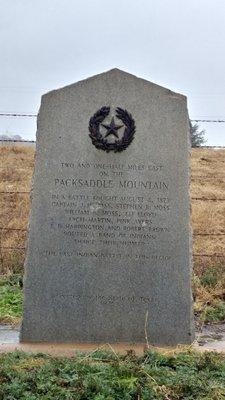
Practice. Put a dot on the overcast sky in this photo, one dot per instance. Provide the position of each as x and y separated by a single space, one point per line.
46 44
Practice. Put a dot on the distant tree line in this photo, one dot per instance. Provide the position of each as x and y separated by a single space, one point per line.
197 136
11 137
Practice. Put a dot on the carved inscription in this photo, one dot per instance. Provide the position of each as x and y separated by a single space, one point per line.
89 208
103 299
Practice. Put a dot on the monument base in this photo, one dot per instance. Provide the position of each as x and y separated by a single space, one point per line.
70 349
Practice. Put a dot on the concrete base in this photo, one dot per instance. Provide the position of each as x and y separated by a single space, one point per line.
70 349
211 338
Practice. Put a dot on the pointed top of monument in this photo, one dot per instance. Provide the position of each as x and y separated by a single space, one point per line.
116 73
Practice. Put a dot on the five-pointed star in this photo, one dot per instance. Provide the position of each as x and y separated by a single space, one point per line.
112 128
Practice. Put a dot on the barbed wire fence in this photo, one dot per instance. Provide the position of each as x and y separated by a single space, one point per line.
195 234
22 249
31 115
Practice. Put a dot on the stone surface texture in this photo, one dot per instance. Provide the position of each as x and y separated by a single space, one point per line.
108 255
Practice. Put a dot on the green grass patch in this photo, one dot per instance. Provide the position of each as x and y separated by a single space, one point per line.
210 277
214 313
11 298
107 376
209 294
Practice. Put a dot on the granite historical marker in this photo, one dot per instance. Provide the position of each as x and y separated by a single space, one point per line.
108 255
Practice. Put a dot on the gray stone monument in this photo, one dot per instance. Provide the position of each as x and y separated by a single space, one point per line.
109 247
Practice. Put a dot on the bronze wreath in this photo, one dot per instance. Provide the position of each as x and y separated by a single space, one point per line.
101 143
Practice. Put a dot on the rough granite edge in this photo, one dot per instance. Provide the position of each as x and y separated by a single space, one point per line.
121 72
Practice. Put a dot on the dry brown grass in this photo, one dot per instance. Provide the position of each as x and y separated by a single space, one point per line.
208 181
16 168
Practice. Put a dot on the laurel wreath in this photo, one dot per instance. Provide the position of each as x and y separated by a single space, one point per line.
101 143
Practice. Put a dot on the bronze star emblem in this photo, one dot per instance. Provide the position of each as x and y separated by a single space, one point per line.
112 128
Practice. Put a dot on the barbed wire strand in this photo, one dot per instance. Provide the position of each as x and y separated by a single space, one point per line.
194 255
15 192
192 198
34 142
209 255
194 234
5 114
12 229
17 115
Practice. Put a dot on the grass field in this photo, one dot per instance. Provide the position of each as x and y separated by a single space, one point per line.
208 217
107 376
